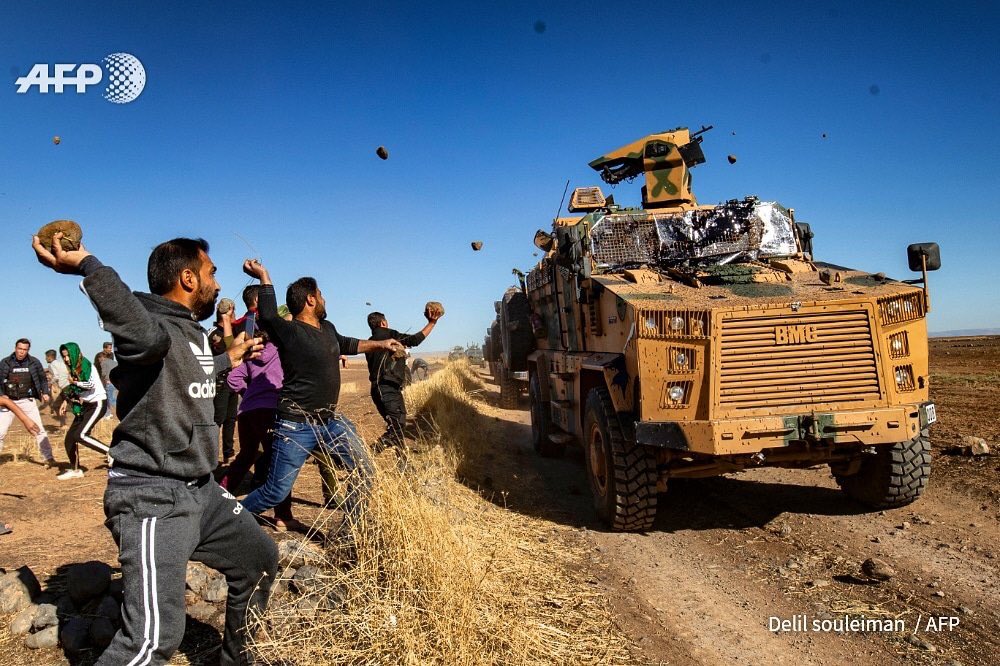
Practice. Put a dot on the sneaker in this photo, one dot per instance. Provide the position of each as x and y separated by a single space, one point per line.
70 474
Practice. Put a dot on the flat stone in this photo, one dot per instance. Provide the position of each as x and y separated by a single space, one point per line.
18 589
87 581
309 606
294 553
977 446
877 569
47 616
65 606
109 608
46 638
202 611
197 577
305 579
918 642
23 621
102 631
75 635
217 590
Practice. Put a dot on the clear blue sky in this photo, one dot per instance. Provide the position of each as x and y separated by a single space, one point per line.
261 120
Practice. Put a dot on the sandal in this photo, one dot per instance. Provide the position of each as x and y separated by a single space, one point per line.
289 525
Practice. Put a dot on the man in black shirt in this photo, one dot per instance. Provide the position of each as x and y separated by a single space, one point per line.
387 373
309 348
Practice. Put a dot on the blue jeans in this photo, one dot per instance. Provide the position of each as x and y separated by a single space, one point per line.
112 397
335 442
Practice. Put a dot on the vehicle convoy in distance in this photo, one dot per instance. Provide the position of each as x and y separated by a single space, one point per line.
686 340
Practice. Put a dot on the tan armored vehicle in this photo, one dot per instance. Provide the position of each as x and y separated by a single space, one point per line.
685 340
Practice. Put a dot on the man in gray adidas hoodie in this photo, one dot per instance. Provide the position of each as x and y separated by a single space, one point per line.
162 505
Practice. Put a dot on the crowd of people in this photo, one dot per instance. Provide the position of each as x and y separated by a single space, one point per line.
272 375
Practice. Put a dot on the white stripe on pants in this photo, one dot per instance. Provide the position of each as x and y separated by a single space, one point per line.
30 408
148 554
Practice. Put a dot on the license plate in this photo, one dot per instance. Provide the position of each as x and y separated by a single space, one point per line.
931 412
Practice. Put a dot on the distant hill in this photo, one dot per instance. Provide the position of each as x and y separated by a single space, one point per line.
962 332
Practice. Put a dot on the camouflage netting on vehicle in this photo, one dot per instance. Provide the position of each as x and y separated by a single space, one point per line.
733 231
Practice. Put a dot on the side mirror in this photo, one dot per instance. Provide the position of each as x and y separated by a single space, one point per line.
543 240
919 253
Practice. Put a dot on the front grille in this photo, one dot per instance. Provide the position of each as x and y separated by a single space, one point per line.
797 361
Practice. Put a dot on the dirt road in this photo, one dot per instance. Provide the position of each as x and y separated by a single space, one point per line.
729 555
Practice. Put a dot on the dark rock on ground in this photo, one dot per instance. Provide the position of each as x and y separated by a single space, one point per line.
87 581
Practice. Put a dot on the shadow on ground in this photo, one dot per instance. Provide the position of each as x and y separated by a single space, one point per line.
510 474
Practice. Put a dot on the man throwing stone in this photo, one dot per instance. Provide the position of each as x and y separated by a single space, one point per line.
387 373
162 506
309 348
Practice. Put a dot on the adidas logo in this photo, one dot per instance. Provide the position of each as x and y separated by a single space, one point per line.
204 355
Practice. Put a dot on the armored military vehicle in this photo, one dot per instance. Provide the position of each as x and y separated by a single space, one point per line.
685 340
475 355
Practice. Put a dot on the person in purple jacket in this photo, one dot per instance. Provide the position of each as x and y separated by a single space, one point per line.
259 383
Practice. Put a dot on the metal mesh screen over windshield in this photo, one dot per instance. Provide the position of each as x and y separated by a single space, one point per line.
745 230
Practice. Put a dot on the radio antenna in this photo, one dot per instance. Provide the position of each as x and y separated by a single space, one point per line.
563 200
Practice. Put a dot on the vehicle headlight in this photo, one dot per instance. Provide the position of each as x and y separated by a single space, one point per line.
650 323
897 345
904 378
676 324
676 393
681 360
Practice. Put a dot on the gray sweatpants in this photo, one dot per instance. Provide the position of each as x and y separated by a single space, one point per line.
159 524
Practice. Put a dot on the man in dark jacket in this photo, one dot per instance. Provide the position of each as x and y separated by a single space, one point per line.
24 382
308 420
387 373
162 505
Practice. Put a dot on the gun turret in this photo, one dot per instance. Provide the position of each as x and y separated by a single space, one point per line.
665 158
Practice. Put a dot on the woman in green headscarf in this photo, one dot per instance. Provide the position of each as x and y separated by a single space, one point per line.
87 396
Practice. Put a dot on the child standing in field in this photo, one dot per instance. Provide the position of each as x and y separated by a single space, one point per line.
89 403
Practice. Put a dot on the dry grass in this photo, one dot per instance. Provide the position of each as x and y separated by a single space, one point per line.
443 576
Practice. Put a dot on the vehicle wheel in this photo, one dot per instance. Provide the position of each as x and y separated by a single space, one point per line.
622 473
894 476
541 423
508 390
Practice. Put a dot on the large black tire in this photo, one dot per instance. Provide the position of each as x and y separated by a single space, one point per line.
541 423
894 476
622 473
509 390
515 327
